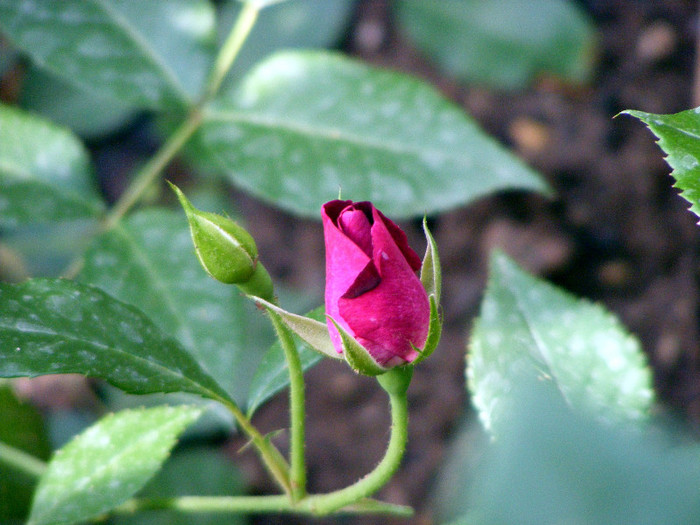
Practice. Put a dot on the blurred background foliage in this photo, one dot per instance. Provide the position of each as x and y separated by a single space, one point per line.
295 120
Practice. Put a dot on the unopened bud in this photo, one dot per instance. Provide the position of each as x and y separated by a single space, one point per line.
226 251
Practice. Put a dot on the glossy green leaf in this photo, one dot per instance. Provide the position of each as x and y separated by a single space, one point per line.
85 113
22 428
502 43
149 261
303 125
200 471
45 172
56 326
552 466
109 462
148 54
679 137
529 328
272 375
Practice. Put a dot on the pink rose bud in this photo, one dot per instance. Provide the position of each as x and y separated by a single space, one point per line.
372 289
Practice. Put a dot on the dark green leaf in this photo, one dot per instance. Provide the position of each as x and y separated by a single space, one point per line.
55 326
303 125
87 114
47 249
202 471
45 172
108 463
8 57
679 137
529 328
22 428
148 54
502 43
273 373
149 262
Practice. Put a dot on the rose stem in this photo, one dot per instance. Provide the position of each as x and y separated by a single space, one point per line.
297 472
322 504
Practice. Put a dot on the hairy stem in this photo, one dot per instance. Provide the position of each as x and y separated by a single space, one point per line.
297 408
322 504
250 504
272 458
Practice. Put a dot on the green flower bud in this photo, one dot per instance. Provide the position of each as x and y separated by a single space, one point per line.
226 251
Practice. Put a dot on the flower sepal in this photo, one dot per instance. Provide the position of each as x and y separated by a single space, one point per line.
434 332
431 271
312 332
356 355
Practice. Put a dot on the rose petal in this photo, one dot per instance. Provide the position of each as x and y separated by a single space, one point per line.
344 262
394 314
378 299
366 281
355 224
400 239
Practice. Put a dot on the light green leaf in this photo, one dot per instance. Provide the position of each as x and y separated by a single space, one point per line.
679 137
22 428
272 375
502 43
45 172
56 326
149 261
108 463
552 466
147 54
200 471
87 114
528 328
304 124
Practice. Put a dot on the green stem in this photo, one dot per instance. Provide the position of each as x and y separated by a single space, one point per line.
322 504
297 408
272 458
250 504
148 174
229 51
20 460
152 169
